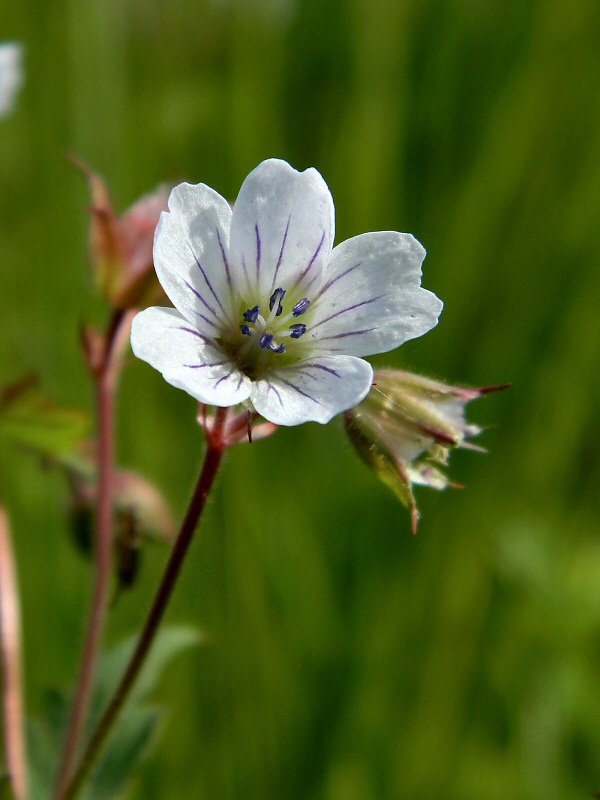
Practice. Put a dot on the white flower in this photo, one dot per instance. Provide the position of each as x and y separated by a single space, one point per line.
266 313
11 75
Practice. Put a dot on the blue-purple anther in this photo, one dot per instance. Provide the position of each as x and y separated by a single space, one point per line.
297 330
301 307
251 315
245 330
277 297
266 342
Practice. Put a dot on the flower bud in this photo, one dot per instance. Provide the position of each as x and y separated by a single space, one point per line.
121 246
405 428
140 514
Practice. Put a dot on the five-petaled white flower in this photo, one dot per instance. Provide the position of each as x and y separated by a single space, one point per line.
267 313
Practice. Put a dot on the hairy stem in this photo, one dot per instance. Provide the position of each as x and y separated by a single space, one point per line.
12 680
106 377
212 460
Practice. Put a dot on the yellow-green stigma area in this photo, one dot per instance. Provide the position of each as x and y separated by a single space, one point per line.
262 340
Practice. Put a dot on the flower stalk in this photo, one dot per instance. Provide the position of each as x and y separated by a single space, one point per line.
217 445
106 367
12 679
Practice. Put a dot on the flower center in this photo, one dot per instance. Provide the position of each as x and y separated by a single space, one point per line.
267 333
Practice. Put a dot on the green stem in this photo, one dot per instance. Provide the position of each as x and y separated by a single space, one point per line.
212 460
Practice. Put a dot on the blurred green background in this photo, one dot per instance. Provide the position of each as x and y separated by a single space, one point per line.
346 659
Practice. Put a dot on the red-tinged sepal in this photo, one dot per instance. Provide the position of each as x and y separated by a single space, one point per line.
405 428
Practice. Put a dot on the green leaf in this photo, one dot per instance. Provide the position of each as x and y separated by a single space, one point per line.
135 730
29 419
131 741
134 733
168 643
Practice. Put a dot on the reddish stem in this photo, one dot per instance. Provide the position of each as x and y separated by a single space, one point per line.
106 375
212 460
12 680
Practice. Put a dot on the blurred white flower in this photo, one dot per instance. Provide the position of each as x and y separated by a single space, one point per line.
266 313
11 75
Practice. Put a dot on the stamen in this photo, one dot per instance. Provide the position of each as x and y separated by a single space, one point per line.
267 343
301 307
297 329
251 315
277 297
263 331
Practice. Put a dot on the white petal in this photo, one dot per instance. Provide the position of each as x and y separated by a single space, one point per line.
372 300
313 390
186 358
191 256
282 230
11 74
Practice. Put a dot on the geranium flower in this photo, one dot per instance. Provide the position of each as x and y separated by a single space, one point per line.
267 313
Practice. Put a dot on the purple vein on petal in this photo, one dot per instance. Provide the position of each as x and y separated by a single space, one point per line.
224 256
239 383
258 251
330 370
271 388
244 267
300 391
196 333
224 378
202 366
337 278
206 319
208 283
312 261
202 300
307 285
304 371
280 259
348 333
345 310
